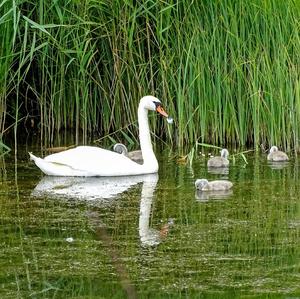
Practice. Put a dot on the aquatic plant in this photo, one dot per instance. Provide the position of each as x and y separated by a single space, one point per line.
228 72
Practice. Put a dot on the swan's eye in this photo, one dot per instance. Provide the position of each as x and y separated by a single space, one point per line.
157 104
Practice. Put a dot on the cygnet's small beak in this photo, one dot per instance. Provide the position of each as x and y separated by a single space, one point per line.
161 111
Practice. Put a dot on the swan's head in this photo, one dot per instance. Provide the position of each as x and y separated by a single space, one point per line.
224 153
273 149
153 104
201 183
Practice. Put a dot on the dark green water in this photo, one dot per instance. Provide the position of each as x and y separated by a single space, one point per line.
150 237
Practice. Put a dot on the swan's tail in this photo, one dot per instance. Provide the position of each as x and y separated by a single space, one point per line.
32 156
40 163
52 168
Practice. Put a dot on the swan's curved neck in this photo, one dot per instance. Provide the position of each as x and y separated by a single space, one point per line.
145 139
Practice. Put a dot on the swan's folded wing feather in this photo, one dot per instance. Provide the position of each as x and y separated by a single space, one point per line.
95 160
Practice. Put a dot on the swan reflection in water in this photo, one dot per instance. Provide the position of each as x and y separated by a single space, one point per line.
214 194
150 236
88 188
102 190
221 170
278 165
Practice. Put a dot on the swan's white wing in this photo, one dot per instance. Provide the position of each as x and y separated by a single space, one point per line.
95 161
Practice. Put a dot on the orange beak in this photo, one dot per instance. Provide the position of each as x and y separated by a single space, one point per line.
161 111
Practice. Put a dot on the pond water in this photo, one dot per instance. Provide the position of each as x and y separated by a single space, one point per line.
150 236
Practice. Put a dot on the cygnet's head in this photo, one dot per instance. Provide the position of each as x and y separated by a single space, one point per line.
273 149
120 149
224 153
201 183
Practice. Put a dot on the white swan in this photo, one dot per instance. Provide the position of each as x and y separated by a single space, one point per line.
94 161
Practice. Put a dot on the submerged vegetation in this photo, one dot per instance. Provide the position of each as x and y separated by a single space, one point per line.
228 72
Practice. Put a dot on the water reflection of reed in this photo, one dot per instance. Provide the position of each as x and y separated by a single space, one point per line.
3 173
68 188
249 244
105 188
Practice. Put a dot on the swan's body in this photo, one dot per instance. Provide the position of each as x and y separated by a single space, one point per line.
221 161
205 185
276 155
94 161
136 156
91 161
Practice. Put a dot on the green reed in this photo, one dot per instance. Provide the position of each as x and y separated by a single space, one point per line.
227 72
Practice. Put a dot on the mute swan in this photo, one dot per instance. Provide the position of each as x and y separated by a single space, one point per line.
221 161
205 185
135 156
94 161
276 155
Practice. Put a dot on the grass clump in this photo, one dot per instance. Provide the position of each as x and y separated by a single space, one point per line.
227 72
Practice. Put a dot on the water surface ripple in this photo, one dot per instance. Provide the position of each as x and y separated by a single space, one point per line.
151 236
